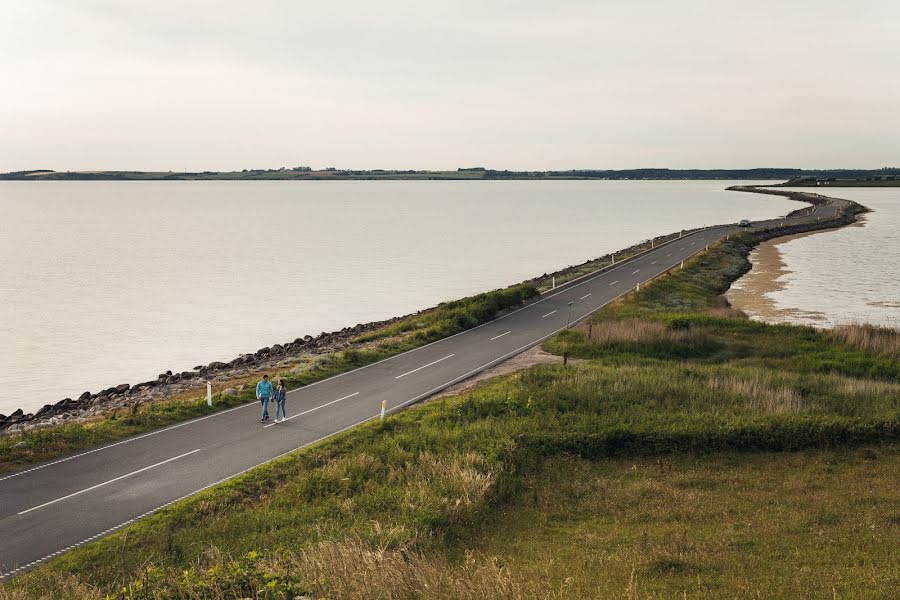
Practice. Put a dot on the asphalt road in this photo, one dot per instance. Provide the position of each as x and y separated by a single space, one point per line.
53 507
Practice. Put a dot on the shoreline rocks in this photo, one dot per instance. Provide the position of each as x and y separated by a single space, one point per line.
167 384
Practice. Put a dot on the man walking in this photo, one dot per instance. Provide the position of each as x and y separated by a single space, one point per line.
264 393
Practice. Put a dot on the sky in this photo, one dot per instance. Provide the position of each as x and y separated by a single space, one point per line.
220 85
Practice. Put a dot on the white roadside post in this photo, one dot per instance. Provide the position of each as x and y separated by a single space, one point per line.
209 393
383 407
682 264
569 320
554 282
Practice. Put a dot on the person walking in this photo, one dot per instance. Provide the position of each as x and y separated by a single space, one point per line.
280 398
264 393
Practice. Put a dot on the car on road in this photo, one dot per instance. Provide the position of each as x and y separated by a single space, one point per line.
744 223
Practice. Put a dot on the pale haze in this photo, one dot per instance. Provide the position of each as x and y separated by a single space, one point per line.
522 85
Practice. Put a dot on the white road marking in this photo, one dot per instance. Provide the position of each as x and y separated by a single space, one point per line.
306 412
497 337
636 272
423 366
129 440
668 255
548 314
614 282
99 485
682 248
653 263
586 295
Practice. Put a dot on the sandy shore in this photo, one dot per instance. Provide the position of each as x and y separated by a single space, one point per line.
750 292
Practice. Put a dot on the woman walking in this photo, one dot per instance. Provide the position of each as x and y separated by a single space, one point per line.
280 397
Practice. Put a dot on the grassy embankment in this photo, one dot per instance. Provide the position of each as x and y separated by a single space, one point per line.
444 320
447 319
695 454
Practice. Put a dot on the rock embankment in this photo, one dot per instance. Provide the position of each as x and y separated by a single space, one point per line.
166 385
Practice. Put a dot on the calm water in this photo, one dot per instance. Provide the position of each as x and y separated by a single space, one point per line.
111 282
849 275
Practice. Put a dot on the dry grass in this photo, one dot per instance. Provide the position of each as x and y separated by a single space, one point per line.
637 332
867 387
352 570
762 394
727 312
872 338
463 482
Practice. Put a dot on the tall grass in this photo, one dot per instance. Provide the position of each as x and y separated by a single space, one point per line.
872 338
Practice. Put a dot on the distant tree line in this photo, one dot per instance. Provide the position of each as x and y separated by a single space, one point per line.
304 172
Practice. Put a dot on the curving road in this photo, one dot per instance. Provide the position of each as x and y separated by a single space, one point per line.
53 507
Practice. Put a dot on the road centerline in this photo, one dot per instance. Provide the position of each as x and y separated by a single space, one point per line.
586 295
306 412
497 337
423 366
99 485
614 283
548 314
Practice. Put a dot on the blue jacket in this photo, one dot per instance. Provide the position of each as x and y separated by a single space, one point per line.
280 394
264 389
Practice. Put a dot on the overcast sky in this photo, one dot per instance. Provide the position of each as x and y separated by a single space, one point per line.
218 84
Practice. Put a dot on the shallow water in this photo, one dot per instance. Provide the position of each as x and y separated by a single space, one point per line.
110 282
851 275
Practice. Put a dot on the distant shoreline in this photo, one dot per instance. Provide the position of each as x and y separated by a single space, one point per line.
792 177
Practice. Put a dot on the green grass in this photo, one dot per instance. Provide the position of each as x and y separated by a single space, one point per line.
723 468
817 524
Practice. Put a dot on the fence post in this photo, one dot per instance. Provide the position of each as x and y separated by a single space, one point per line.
383 406
209 393
554 283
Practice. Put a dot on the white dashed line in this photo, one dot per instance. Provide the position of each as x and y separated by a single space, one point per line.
635 272
99 485
126 441
423 366
614 283
548 314
497 337
586 295
306 412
